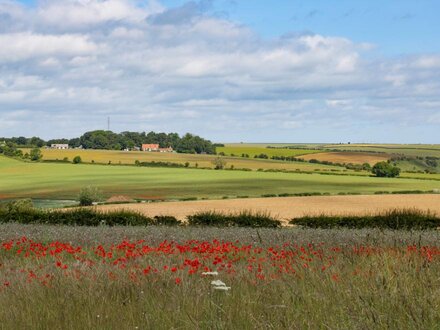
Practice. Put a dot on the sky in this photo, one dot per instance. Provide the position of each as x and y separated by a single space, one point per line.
228 70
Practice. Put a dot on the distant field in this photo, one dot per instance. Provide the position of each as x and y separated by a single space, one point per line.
348 157
421 150
238 150
287 208
124 157
63 181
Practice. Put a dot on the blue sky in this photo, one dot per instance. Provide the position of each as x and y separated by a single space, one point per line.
395 26
230 70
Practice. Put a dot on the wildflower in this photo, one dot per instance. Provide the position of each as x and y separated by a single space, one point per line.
178 280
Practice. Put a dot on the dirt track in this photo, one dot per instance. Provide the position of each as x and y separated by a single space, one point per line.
290 207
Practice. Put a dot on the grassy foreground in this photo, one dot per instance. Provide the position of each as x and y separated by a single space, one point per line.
131 278
63 181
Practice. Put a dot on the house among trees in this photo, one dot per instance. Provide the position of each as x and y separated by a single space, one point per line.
155 148
59 146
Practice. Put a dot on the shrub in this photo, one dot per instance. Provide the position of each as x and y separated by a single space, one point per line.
19 205
242 219
84 217
35 154
166 220
385 170
395 219
89 195
219 163
77 160
187 199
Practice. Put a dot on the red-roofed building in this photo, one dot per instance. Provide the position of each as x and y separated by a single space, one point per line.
155 148
150 147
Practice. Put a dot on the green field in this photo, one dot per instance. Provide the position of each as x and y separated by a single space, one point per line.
253 150
123 157
63 181
420 150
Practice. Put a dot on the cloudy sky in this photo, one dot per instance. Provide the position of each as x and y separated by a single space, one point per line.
229 70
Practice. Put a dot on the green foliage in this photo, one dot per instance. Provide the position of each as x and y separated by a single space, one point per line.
242 219
82 217
396 219
385 170
77 160
431 162
19 205
10 150
219 163
35 154
112 141
89 195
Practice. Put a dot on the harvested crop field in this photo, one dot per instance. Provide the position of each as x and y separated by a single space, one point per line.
348 157
289 207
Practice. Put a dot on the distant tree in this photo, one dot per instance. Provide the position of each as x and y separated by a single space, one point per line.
219 163
366 167
35 154
89 195
385 170
431 162
77 160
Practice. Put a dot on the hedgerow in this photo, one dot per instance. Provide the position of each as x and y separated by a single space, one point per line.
242 219
396 219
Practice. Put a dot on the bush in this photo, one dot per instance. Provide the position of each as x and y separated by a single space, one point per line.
83 217
19 205
396 219
166 220
35 154
89 195
385 170
242 219
219 163
77 160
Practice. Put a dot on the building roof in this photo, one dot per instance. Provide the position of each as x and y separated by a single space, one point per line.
150 146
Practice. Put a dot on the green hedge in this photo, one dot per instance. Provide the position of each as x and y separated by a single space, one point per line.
83 217
396 219
242 219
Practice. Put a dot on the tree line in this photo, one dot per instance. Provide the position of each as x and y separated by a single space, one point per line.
109 140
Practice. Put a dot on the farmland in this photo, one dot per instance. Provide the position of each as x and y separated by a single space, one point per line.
348 157
408 150
162 277
252 151
202 161
287 208
63 181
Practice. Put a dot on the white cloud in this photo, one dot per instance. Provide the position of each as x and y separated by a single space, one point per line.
184 70
25 45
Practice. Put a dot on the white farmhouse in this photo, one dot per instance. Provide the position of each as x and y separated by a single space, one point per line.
59 146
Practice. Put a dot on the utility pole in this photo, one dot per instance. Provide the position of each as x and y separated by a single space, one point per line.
108 123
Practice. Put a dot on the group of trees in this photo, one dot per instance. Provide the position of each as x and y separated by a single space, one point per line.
109 140
385 170
10 150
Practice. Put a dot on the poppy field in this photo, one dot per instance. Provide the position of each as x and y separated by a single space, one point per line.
189 278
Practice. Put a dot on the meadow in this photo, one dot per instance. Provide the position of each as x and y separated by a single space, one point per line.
256 150
217 278
203 161
420 150
64 181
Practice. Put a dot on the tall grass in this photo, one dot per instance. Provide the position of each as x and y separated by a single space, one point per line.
371 291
